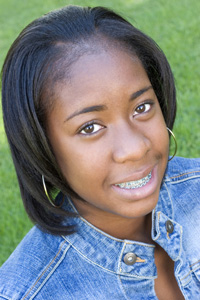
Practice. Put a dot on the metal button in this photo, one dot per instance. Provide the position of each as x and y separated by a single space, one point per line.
130 258
169 226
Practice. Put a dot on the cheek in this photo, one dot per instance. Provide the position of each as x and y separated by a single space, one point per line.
159 135
77 164
163 144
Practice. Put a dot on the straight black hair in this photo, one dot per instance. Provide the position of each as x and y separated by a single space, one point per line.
31 69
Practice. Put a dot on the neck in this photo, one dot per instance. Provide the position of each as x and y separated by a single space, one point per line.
136 229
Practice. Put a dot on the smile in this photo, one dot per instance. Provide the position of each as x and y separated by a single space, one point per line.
135 184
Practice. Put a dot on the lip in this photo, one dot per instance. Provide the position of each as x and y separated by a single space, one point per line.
135 177
140 192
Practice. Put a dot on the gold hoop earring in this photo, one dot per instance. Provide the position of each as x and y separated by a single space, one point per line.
48 197
176 145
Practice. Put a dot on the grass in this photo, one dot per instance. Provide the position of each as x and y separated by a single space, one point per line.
175 27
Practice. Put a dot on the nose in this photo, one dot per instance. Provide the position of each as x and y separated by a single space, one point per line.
129 144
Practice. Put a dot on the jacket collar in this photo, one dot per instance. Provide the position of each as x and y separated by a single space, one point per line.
107 252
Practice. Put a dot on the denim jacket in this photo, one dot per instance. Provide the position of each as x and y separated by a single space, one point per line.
90 264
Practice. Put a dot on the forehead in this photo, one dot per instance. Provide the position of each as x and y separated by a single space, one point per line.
97 76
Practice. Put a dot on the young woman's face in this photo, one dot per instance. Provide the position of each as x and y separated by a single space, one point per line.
109 136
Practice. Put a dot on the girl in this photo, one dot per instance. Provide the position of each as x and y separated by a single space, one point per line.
89 104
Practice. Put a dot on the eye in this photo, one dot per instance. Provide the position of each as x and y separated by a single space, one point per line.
142 108
90 129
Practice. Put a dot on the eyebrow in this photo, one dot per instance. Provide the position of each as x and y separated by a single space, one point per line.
104 107
140 92
86 110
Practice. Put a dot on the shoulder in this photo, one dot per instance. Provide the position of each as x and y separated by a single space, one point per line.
31 262
182 182
182 179
179 168
183 176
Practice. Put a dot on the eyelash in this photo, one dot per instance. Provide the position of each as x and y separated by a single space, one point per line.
150 103
93 123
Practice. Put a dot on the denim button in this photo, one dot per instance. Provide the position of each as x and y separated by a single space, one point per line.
169 226
130 258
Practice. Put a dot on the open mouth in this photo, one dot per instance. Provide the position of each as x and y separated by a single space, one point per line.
135 184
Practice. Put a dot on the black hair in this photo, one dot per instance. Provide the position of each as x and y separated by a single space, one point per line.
30 71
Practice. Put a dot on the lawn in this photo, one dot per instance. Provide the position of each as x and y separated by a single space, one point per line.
175 27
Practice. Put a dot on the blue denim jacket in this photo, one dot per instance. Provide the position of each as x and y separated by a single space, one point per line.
90 264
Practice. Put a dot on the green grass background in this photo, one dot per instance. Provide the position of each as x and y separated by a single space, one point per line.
175 25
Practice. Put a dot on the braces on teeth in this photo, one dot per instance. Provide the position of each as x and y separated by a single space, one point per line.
135 184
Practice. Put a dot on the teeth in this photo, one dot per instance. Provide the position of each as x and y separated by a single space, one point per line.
135 184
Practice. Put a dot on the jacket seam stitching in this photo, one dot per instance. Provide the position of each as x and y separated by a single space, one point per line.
195 263
122 288
185 276
195 269
44 270
119 270
191 271
192 172
89 260
113 272
120 258
113 238
184 179
187 281
52 271
105 234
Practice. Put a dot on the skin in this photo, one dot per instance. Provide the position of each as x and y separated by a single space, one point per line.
125 140
124 144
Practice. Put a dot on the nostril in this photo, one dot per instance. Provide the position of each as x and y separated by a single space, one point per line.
130 147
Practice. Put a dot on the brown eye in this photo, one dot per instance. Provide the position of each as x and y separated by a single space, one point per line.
90 129
142 108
